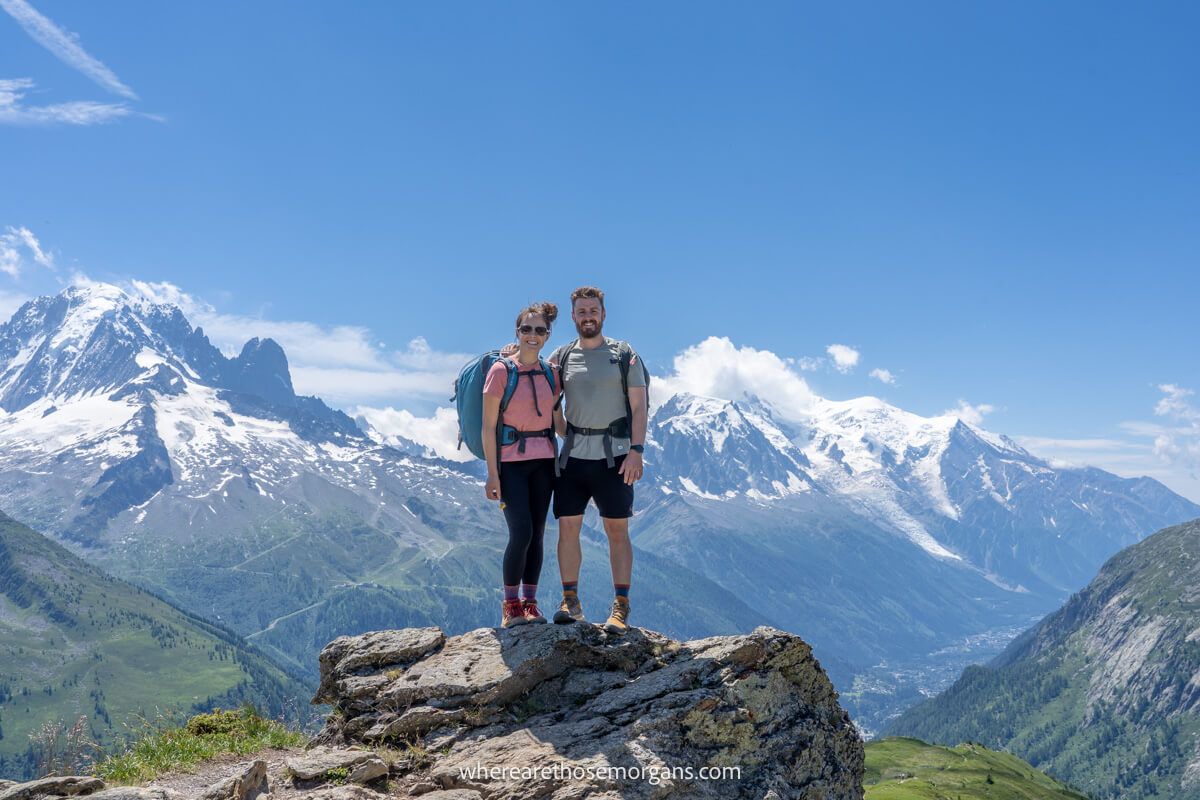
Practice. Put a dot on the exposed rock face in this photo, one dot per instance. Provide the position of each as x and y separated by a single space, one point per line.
568 711
68 786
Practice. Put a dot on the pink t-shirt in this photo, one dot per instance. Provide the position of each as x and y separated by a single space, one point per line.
521 412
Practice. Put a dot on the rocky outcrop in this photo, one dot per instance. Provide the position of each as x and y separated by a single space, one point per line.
67 786
569 711
546 711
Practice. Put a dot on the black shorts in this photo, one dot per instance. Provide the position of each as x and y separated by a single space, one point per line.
586 479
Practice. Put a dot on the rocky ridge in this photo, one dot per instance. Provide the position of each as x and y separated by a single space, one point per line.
549 711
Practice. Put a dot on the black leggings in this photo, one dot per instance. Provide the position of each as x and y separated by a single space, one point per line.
525 489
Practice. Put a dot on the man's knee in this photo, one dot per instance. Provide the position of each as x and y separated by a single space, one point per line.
616 528
570 526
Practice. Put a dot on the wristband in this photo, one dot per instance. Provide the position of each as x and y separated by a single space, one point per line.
638 448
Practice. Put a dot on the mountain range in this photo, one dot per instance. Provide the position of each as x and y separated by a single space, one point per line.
1103 693
901 546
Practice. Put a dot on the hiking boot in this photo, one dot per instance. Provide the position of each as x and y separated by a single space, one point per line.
532 614
511 613
618 618
569 610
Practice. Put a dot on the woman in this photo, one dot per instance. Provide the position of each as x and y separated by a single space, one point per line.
520 469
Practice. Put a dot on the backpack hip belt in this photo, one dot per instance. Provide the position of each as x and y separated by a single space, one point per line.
510 435
618 428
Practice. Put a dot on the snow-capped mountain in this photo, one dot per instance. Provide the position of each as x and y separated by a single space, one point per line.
955 491
125 398
126 434
876 533
718 449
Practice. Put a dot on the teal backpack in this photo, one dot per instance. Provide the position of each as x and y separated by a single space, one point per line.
468 398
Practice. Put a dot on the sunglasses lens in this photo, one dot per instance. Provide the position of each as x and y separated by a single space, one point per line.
525 330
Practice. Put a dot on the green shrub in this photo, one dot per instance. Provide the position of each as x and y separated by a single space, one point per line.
160 749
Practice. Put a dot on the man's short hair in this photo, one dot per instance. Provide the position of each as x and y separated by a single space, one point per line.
587 291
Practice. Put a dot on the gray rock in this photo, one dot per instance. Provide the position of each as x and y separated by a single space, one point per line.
344 793
247 784
68 786
367 771
137 793
346 657
568 711
316 763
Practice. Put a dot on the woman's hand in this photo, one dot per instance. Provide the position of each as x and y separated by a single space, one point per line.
492 488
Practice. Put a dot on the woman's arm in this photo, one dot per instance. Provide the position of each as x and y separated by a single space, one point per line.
491 415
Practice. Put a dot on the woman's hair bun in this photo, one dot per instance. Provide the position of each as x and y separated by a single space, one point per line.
547 309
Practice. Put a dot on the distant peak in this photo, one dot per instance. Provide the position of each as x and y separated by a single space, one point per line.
96 289
262 369
262 349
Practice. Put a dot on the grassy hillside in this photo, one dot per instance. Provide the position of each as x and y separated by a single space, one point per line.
909 769
76 642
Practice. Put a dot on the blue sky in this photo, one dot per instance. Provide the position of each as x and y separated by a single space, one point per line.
996 204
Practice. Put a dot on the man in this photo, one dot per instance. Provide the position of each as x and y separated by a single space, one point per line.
604 431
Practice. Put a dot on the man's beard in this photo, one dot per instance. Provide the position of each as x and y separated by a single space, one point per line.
583 335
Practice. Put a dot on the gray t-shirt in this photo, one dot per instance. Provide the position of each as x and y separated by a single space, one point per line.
592 396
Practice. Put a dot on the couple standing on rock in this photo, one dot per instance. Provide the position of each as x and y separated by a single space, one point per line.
603 385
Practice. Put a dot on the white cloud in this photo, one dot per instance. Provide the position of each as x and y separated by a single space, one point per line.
342 364
971 414
807 363
1168 451
438 433
883 375
1082 445
1178 443
1120 456
718 368
65 46
1176 404
79 112
15 240
845 358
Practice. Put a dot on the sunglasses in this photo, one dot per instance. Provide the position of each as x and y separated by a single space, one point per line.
525 330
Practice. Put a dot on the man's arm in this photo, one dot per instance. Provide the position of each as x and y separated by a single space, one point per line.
631 468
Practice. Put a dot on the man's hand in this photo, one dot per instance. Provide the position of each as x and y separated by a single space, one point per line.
631 468
509 350
492 488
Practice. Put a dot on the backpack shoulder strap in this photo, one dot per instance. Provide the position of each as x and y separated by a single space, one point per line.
625 361
562 353
548 371
510 386
561 362
624 357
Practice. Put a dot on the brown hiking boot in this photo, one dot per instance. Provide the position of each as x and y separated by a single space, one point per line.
569 610
532 613
618 618
511 613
